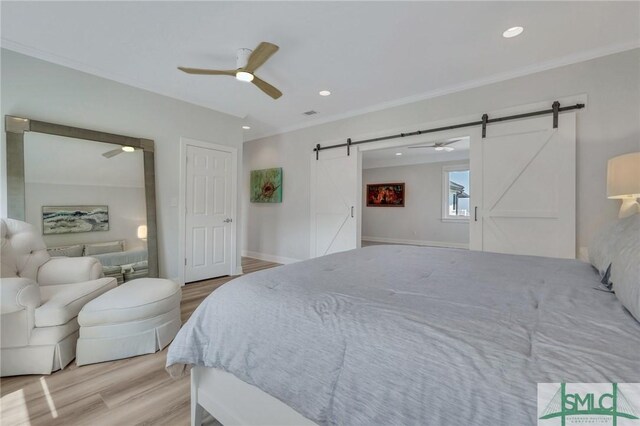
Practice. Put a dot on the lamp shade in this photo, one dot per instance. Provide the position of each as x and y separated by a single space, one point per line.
623 176
142 232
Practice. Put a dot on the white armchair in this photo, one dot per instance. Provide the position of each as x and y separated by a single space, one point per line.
40 298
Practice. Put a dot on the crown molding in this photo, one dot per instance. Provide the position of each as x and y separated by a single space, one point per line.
472 84
496 78
88 69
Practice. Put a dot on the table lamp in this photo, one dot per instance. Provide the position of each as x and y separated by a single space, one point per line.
623 182
142 232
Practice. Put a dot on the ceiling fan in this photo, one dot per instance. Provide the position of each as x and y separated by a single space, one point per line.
247 62
439 146
117 151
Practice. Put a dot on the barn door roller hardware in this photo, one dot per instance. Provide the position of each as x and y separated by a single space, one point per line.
556 109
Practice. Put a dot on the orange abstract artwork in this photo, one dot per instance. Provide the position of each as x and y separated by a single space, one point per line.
385 195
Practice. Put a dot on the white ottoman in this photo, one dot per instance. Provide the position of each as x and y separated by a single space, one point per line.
139 317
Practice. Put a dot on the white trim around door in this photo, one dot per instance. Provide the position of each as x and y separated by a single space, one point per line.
184 144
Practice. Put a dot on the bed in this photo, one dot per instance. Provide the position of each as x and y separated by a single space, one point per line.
123 265
405 335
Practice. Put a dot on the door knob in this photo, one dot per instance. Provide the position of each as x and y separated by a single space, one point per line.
228 220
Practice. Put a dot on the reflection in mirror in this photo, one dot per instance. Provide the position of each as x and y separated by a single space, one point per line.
88 199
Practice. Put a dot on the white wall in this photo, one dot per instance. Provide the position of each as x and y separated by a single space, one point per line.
607 127
126 211
56 159
420 220
37 89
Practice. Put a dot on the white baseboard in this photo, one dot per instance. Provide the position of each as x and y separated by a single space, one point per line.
416 242
269 257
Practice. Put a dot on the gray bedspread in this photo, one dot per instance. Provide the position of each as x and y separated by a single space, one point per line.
400 335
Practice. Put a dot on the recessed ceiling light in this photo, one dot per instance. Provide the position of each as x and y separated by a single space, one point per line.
246 127
512 32
128 149
324 93
244 76
398 153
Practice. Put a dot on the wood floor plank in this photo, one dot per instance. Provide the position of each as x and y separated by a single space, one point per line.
133 391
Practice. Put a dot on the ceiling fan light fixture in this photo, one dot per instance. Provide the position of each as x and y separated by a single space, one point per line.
512 32
247 62
244 76
439 148
128 149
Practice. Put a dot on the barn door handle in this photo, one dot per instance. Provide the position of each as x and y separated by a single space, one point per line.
351 211
475 213
228 220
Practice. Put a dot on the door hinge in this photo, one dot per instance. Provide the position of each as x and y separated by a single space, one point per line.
185 261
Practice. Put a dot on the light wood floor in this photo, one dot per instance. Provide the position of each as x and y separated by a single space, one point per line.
134 391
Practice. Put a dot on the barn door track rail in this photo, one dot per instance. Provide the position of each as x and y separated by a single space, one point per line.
556 109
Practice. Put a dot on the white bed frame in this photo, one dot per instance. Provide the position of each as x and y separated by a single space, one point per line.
234 402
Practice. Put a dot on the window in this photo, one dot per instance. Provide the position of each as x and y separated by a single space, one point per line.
455 193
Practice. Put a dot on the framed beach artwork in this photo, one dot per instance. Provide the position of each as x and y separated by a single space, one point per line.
266 185
385 195
73 219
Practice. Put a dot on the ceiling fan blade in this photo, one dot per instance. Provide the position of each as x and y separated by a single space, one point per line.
112 153
260 55
266 87
437 144
205 71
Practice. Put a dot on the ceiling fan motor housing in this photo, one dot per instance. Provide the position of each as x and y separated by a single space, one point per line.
242 57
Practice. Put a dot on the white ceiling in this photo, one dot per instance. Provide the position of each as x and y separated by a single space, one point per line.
387 157
68 161
369 54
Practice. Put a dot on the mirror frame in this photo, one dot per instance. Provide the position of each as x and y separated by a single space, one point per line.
15 128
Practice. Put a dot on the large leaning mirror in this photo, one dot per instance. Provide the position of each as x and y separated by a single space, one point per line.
88 193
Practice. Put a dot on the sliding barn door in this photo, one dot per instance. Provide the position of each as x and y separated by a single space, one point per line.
527 177
335 201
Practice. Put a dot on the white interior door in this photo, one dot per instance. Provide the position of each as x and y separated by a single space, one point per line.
208 215
527 178
335 201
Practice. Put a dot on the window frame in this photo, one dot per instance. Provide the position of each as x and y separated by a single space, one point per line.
445 192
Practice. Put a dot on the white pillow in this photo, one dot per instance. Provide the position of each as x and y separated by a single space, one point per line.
625 266
100 248
68 251
604 245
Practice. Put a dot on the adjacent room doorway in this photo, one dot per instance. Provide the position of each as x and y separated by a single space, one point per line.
519 196
417 194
